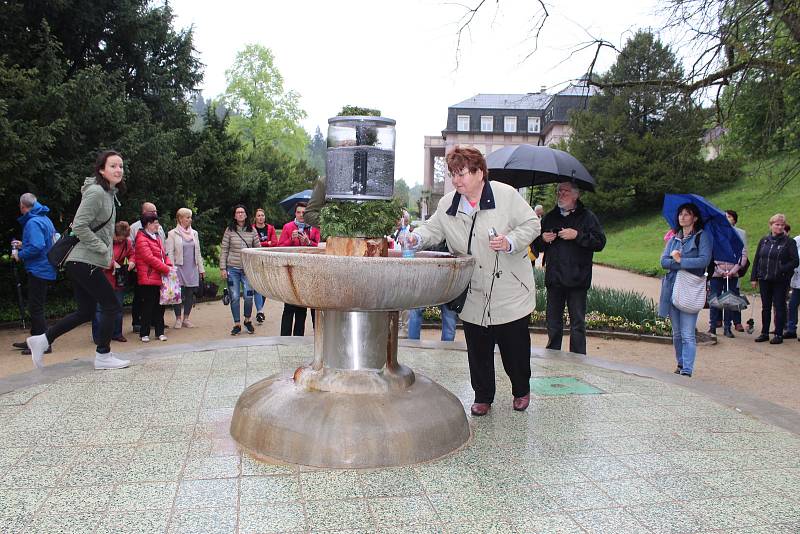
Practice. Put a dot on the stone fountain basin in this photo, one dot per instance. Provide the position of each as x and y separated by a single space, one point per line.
306 276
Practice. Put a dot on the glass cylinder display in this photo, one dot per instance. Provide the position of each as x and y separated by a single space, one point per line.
360 158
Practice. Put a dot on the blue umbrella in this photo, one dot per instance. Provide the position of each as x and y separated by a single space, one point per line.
727 243
291 201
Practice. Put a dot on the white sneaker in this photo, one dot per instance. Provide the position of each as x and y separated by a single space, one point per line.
38 344
145 339
108 361
162 337
178 323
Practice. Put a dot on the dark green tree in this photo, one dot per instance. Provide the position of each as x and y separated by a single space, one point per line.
641 141
131 38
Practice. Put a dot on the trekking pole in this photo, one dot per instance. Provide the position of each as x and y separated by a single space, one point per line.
20 300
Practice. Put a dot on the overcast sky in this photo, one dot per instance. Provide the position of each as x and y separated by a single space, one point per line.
400 56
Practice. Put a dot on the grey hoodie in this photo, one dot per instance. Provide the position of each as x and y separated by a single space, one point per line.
96 206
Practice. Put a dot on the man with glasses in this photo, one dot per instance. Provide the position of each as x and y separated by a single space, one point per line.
571 234
148 208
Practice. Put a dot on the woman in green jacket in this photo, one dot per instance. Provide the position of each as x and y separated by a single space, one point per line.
86 261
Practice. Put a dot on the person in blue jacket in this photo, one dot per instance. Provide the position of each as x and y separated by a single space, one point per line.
38 234
690 248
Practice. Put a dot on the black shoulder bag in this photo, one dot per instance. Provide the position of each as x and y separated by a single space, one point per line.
58 253
457 304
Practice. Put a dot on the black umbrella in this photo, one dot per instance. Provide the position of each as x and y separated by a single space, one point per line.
527 165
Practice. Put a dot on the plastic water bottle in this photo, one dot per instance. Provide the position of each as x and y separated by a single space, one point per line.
406 244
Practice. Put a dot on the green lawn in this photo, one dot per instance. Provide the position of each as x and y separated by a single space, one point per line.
636 243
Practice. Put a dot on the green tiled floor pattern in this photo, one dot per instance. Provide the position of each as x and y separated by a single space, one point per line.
147 450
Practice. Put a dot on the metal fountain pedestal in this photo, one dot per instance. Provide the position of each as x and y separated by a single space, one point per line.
354 405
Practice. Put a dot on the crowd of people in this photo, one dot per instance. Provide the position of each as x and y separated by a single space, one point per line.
486 219
112 258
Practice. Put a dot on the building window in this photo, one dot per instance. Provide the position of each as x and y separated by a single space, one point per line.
463 123
487 123
534 124
510 124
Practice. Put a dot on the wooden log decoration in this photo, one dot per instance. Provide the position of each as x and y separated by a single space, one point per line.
372 247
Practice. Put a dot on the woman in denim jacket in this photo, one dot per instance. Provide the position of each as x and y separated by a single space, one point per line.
689 249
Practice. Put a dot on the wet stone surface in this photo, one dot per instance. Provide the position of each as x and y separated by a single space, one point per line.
147 449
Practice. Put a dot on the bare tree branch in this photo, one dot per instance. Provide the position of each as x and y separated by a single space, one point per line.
538 29
715 78
467 20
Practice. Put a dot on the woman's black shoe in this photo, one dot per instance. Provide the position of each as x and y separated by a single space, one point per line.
686 374
249 326
762 338
678 370
235 330
777 340
260 317
20 345
728 333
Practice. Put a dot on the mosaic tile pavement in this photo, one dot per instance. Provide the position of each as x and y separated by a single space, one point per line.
147 449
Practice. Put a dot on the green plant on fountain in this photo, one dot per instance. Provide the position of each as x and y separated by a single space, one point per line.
370 218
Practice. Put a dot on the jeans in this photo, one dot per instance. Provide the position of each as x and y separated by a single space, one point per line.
449 318
683 338
575 299
37 297
773 295
259 298
91 288
187 301
726 316
120 294
514 341
152 311
794 301
236 277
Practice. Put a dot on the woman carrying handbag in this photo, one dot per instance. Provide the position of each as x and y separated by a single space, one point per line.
683 289
94 227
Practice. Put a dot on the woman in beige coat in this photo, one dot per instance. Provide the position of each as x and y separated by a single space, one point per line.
238 236
183 246
501 294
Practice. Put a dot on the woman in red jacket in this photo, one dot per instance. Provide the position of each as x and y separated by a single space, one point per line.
267 238
297 234
151 263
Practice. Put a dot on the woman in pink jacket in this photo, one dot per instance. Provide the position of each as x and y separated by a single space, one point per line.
151 263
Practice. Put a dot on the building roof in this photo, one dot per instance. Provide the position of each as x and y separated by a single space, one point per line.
506 101
580 89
